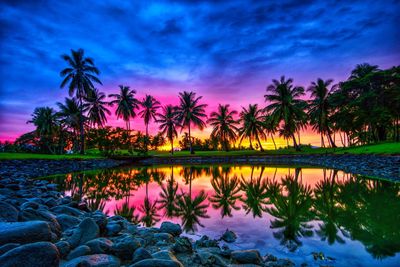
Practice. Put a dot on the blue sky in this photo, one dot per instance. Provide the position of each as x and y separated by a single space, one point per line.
226 51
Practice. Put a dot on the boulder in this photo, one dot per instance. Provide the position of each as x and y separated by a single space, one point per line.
124 247
182 245
63 209
25 232
100 245
250 256
163 237
157 262
140 254
164 255
78 251
7 247
208 259
95 260
30 214
8 213
86 231
171 228
39 254
229 236
63 248
67 221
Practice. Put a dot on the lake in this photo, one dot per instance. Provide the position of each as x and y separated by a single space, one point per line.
286 211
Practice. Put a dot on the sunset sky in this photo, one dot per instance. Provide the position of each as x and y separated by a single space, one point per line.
228 52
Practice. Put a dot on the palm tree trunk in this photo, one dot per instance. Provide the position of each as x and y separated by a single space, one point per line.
298 136
259 143
330 138
322 140
82 131
172 145
147 136
190 142
273 140
341 139
251 145
295 143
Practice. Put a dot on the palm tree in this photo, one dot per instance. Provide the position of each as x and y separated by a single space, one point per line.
191 210
79 75
168 196
271 126
362 70
126 104
69 114
224 125
149 111
149 210
95 107
168 124
252 119
46 122
226 194
319 108
190 112
286 106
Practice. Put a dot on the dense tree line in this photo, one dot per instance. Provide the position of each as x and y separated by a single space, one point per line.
363 109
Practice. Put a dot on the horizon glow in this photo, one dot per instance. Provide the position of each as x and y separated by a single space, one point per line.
226 52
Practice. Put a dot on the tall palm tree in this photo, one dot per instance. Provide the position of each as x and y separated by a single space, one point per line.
149 111
191 210
224 125
168 124
95 107
286 106
226 194
80 75
69 114
126 104
252 120
190 112
319 108
271 127
362 70
168 196
46 122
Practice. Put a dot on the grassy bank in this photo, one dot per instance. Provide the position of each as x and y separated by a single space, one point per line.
384 149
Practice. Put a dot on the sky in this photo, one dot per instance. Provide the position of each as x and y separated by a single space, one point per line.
226 51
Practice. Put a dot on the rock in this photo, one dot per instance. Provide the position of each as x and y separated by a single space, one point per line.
30 214
86 231
78 251
182 245
96 260
7 247
67 221
163 237
63 248
208 259
8 213
164 255
157 263
171 228
229 236
101 220
114 228
40 254
100 245
206 242
124 247
141 254
251 256
63 209
25 232
270 257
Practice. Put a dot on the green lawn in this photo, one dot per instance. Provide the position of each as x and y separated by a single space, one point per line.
383 148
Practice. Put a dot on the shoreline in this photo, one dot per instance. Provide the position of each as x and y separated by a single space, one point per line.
375 166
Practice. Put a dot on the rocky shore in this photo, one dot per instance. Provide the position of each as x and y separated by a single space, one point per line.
31 168
41 227
387 167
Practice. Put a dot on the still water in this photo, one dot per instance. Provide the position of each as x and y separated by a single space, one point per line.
289 212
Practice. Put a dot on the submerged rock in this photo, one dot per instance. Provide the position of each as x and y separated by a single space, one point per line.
229 236
40 254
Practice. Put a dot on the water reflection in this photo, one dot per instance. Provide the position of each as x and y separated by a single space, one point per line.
296 204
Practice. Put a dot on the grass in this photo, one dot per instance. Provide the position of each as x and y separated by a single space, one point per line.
383 148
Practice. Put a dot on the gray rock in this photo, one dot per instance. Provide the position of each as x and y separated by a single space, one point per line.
95 260
30 214
86 231
208 259
7 247
63 209
63 248
40 254
100 245
157 263
113 228
67 221
206 242
25 232
171 228
8 213
164 255
100 219
79 251
125 247
251 256
229 236
163 237
182 245
141 254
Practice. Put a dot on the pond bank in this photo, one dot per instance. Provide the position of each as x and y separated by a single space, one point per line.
379 166
41 227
